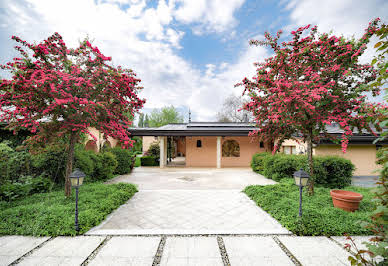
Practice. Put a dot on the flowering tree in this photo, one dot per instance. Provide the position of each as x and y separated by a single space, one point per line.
57 92
310 82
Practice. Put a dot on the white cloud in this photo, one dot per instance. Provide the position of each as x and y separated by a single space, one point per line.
215 15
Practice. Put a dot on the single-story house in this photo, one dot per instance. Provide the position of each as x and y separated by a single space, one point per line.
219 144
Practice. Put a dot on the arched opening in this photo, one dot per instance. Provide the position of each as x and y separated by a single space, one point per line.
91 146
230 148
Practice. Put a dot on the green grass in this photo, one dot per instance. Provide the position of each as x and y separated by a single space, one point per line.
281 201
51 214
137 162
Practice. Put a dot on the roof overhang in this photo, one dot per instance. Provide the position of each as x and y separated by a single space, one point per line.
187 132
354 140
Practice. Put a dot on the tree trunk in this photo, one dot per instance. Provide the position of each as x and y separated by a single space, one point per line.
311 166
69 162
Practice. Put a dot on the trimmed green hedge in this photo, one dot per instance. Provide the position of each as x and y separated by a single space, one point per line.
148 161
125 160
281 201
329 171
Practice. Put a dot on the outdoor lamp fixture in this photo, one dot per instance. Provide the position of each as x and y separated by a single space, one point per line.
77 178
301 179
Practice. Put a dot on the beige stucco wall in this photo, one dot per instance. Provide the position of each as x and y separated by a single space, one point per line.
100 140
362 156
206 156
300 145
147 141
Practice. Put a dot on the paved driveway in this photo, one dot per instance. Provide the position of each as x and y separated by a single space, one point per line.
190 201
154 178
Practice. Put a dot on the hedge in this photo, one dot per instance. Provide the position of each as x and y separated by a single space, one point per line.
125 160
329 171
149 161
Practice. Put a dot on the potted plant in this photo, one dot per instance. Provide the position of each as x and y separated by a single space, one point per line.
346 200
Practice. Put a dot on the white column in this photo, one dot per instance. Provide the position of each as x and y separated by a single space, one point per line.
162 162
218 152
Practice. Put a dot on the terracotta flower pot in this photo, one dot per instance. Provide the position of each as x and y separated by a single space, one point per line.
346 200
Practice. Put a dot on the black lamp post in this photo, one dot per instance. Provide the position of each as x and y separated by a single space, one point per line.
77 178
301 179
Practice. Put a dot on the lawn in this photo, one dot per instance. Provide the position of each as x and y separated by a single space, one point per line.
281 201
51 214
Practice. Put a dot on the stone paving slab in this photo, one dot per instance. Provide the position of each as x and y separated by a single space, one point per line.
127 251
13 247
188 178
189 212
318 250
255 251
201 251
64 251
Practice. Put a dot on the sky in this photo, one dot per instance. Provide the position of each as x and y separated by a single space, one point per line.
188 53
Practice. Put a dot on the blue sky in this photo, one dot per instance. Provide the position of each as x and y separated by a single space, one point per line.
188 53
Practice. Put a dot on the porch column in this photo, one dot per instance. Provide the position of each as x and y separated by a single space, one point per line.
218 152
163 152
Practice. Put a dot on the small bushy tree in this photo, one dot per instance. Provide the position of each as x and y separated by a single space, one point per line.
58 92
312 81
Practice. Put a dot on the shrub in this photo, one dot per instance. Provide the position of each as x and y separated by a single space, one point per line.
257 162
20 164
105 165
148 161
51 162
154 150
5 154
125 160
85 160
329 171
27 185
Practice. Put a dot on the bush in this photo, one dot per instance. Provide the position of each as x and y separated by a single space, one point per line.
154 150
105 165
329 171
125 160
281 201
85 160
51 162
257 162
5 154
27 185
149 161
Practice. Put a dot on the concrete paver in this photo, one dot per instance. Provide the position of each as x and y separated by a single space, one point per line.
127 251
191 251
255 251
154 178
13 247
315 250
64 251
189 212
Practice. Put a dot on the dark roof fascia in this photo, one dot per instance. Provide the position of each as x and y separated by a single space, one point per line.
188 132
355 139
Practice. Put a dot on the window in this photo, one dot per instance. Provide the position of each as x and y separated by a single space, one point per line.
261 144
289 149
230 148
199 143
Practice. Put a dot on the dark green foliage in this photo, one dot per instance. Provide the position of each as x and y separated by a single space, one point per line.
138 145
52 214
125 160
257 162
26 185
85 160
281 201
149 161
13 140
5 154
104 167
329 171
154 150
51 162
